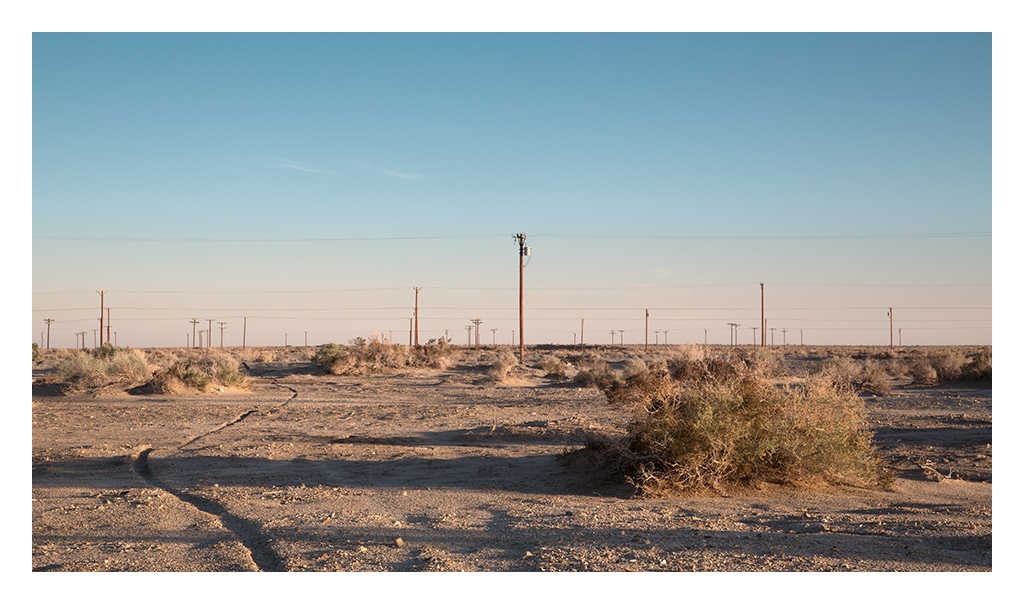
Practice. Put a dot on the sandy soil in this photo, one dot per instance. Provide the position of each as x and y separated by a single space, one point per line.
433 470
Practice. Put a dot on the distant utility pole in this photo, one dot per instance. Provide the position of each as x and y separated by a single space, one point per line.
784 330
108 327
48 321
613 336
647 322
494 336
900 331
469 335
410 330
244 319
773 336
621 331
890 328
581 334
732 330
755 335
94 345
523 252
194 322
209 332
222 324
476 323
101 314
705 336
416 313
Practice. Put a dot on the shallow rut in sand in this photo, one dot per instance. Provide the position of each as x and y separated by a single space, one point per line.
249 533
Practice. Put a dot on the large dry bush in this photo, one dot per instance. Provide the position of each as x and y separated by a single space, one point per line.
101 368
197 370
363 356
715 423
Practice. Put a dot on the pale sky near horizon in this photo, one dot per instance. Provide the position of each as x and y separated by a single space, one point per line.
309 182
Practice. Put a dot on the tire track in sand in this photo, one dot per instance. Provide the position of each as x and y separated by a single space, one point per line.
248 532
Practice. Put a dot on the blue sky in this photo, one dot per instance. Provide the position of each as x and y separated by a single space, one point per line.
309 182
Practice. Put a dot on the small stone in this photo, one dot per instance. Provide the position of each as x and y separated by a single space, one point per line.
527 554
399 542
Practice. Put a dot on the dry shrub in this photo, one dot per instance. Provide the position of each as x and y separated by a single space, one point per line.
363 356
593 371
716 429
197 370
553 366
502 366
950 365
867 375
102 368
633 367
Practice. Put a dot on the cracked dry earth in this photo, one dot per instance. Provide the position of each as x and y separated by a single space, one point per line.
441 471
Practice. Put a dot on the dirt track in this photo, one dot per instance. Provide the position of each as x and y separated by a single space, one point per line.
444 471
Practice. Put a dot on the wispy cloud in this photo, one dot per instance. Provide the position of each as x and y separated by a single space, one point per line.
395 173
290 165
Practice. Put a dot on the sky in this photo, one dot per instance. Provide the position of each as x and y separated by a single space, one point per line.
299 186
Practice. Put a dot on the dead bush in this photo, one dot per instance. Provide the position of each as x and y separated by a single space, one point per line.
502 366
102 368
689 435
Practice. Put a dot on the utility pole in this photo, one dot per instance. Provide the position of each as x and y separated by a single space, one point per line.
755 335
801 336
48 321
476 323
621 331
581 334
194 322
209 332
705 336
773 337
666 336
732 330
494 336
222 324
469 335
108 326
900 331
647 322
101 314
416 313
890 328
784 330
523 251
244 319
410 331
613 336
94 345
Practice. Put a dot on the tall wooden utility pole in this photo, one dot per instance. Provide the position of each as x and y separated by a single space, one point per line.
209 332
222 324
101 315
416 314
48 321
523 251
194 322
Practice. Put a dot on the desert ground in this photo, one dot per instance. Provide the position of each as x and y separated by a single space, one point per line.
450 470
